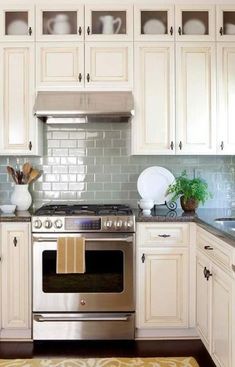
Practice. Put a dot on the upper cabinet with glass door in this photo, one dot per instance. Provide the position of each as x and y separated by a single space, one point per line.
60 23
154 23
109 22
225 27
17 23
195 22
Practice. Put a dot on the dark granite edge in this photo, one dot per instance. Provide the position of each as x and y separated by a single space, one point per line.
18 216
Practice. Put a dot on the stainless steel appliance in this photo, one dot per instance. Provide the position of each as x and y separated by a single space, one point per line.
98 304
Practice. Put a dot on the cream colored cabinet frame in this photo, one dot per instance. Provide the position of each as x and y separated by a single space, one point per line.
59 65
147 25
113 9
153 128
78 24
20 131
226 97
180 23
195 98
14 23
109 65
16 280
223 32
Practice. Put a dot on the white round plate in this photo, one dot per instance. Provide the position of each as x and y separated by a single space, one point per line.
153 183
154 26
194 26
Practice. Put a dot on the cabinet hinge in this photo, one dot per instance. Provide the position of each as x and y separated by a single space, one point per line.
143 258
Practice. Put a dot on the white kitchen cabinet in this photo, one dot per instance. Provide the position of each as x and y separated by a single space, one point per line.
216 297
20 132
17 23
225 25
195 22
108 22
226 97
195 98
153 22
163 276
153 127
15 280
60 64
60 23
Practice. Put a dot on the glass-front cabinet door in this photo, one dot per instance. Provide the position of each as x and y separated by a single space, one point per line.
60 23
17 23
225 27
109 22
195 22
154 23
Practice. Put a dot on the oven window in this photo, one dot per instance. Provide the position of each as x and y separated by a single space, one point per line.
104 274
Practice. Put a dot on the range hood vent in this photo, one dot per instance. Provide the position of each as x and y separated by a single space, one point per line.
82 107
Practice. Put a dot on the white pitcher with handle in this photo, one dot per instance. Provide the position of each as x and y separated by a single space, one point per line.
59 24
108 23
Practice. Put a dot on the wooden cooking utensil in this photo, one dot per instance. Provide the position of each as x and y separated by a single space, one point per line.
12 173
34 174
26 169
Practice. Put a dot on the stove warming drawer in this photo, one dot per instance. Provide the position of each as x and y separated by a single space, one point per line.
83 326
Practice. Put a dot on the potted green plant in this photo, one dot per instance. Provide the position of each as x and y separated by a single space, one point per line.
190 191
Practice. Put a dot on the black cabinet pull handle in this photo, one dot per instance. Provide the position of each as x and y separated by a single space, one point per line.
30 31
179 31
88 30
172 145
221 31
30 145
79 31
208 275
80 77
222 145
164 235
171 31
15 241
143 258
208 248
88 78
180 145
205 272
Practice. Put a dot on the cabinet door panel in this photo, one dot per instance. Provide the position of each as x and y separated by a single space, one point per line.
18 125
109 65
221 318
163 283
153 127
60 65
16 313
203 300
195 124
226 98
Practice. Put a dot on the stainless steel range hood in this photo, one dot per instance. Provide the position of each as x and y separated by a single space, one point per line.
82 107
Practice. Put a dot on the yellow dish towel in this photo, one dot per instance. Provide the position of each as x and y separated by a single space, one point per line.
70 255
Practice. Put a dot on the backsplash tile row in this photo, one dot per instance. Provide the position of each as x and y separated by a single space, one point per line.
92 163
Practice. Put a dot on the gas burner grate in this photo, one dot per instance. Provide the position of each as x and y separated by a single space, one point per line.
81 209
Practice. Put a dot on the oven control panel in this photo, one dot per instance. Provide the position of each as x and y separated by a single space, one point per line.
83 224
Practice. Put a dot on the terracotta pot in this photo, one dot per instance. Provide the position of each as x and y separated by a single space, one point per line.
189 205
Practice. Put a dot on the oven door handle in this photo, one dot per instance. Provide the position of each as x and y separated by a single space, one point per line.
41 318
124 239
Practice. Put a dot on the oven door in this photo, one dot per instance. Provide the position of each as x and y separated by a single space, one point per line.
107 284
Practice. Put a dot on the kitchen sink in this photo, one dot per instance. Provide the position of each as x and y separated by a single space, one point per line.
227 223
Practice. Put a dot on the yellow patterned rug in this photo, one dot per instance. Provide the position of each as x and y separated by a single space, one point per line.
101 362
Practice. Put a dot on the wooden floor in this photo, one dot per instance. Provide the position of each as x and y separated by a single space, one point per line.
158 348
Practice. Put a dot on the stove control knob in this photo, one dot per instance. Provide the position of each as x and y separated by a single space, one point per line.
37 224
58 223
109 224
129 224
119 224
47 224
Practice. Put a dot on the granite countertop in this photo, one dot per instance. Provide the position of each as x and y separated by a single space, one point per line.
205 218
18 216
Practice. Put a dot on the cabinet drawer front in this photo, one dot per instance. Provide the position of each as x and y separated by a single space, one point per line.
215 248
160 234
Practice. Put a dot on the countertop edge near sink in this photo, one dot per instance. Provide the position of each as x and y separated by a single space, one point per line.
18 216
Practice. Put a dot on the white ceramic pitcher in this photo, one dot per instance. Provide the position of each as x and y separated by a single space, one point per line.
59 24
108 23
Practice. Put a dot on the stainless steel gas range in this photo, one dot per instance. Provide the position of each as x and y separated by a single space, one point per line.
98 304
